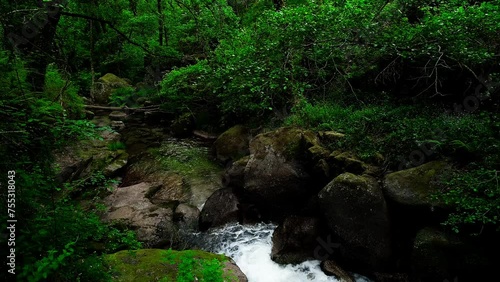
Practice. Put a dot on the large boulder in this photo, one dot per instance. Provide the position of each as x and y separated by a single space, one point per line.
220 208
232 144
131 206
186 217
295 240
166 265
414 187
105 86
356 212
274 177
235 175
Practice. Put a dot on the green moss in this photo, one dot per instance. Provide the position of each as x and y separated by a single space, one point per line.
112 79
233 143
164 265
185 159
289 141
415 186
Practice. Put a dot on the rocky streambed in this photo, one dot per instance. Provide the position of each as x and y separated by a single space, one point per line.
327 214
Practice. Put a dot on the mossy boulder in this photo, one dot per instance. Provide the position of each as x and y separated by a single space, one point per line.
356 213
414 187
341 162
105 86
166 265
275 177
289 142
232 144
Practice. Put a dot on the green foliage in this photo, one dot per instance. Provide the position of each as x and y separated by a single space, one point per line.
64 92
124 96
115 146
66 130
475 194
59 241
188 88
50 263
393 131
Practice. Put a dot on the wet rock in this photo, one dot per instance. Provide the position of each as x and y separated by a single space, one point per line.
356 213
233 270
274 177
295 240
220 208
187 217
331 268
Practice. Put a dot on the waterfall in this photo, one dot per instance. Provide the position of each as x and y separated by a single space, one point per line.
250 247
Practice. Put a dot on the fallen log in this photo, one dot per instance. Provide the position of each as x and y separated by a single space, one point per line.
125 108
204 135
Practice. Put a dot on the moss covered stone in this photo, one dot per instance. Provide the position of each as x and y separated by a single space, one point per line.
289 142
415 186
105 87
356 212
232 144
166 265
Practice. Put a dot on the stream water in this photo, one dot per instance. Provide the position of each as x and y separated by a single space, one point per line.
250 247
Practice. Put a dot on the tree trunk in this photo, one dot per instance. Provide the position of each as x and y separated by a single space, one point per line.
34 39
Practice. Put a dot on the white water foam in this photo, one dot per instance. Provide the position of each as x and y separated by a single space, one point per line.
250 247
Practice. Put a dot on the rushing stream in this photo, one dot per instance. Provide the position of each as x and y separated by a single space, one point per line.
250 247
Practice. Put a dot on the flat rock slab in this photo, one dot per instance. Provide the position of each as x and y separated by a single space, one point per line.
130 205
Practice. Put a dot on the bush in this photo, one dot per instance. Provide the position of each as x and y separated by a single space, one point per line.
475 194
189 88
64 92
396 131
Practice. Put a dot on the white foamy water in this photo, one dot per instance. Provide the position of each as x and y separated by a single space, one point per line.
250 247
